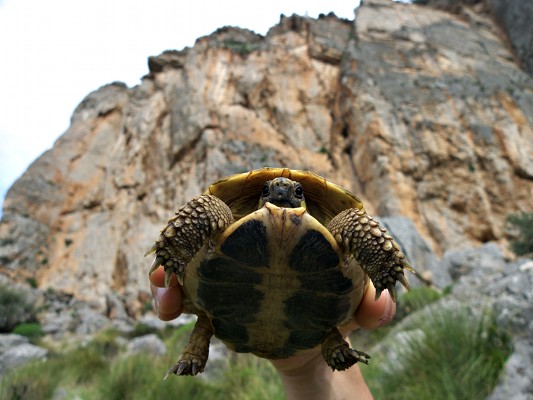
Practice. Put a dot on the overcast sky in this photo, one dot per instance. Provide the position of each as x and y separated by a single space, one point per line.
54 52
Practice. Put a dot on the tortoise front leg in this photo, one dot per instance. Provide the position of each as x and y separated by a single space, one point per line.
376 251
196 352
200 220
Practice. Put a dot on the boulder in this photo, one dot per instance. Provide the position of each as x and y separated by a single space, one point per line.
150 344
15 351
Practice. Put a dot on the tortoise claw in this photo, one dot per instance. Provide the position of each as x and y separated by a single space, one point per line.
392 291
194 367
378 294
407 266
362 356
182 366
403 281
168 277
151 250
176 369
344 357
186 366
170 371
179 275
157 262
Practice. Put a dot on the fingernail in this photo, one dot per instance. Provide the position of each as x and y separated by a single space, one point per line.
389 312
157 293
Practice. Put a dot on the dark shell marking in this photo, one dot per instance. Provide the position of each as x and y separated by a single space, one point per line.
227 283
270 294
248 245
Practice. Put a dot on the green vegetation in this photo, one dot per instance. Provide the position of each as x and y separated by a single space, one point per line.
98 370
448 353
14 309
416 299
438 353
142 329
239 47
31 330
520 227
32 281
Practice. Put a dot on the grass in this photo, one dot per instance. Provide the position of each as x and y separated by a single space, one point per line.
100 370
410 302
257 378
418 298
31 330
452 354
443 353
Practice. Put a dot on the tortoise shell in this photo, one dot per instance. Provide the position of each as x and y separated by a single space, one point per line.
324 199
275 282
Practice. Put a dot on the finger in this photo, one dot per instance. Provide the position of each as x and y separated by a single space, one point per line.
157 278
168 302
373 314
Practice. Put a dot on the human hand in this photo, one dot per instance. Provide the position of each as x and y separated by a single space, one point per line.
305 376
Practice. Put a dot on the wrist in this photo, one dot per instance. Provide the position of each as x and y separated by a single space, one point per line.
307 376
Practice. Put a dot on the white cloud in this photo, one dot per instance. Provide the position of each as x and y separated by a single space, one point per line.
55 52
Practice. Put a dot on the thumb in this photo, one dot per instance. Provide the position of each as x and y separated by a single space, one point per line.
373 314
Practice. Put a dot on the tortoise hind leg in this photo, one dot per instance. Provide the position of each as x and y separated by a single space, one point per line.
196 352
338 354
358 234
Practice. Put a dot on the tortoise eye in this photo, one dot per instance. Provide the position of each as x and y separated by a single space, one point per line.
298 191
266 190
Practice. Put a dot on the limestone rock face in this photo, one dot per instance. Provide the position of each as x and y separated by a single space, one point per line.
515 18
512 16
438 121
419 112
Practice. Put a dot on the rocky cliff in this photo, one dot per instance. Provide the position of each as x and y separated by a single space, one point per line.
422 113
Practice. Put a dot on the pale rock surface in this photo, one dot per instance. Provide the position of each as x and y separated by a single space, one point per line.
150 344
488 281
438 122
418 252
513 18
15 350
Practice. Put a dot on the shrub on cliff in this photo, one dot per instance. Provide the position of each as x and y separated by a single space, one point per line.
520 227
15 309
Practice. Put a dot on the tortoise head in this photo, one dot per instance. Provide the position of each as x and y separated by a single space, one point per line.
282 192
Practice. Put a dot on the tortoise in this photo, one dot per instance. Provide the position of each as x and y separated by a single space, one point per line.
272 262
